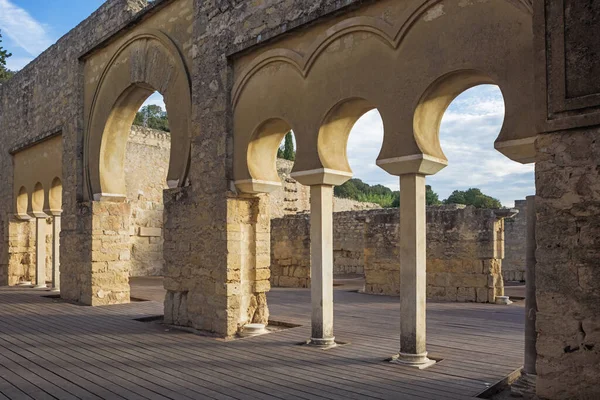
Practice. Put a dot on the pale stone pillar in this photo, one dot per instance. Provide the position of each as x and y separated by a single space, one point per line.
413 278
321 264
40 252
526 384
530 300
56 222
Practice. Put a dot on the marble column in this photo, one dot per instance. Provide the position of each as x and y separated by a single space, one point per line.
56 253
40 251
413 278
321 268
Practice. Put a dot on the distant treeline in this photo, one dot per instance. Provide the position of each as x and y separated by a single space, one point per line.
356 189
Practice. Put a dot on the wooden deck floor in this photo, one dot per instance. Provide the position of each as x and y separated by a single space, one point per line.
51 349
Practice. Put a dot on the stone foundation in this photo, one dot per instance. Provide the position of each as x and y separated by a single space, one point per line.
464 259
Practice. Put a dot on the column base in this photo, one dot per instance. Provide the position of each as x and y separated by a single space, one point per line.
44 286
419 361
322 343
54 290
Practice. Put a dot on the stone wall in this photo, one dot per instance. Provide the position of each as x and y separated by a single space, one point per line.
568 271
515 235
464 256
146 164
20 252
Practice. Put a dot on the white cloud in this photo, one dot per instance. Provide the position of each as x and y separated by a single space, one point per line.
469 128
17 24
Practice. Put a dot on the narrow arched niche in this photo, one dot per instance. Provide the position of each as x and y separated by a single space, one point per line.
55 195
37 200
261 157
335 131
22 203
114 140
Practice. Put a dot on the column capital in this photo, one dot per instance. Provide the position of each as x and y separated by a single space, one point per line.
421 164
23 217
256 186
53 213
322 176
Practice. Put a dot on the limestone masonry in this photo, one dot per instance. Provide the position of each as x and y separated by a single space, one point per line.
515 244
236 76
465 247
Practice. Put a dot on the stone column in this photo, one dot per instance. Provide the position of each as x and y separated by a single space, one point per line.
56 253
413 278
530 300
321 264
40 252
526 385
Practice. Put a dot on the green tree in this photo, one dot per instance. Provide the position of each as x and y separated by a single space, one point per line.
288 147
431 197
473 197
356 189
5 73
152 116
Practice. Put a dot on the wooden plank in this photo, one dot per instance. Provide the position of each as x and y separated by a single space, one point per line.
479 343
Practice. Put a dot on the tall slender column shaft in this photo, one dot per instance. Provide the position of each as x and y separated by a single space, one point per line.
530 300
56 253
40 251
413 278
321 264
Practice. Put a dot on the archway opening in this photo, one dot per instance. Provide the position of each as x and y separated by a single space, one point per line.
365 224
290 198
146 165
469 127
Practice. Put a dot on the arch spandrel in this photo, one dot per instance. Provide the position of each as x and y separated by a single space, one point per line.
148 61
395 68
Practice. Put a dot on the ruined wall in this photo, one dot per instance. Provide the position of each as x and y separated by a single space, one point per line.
45 98
464 250
290 247
463 254
146 164
515 235
567 199
19 252
349 237
290 251
568 272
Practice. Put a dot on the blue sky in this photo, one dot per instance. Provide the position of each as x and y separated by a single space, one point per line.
30 26
469 128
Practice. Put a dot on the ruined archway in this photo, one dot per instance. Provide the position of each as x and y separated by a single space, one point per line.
147 62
